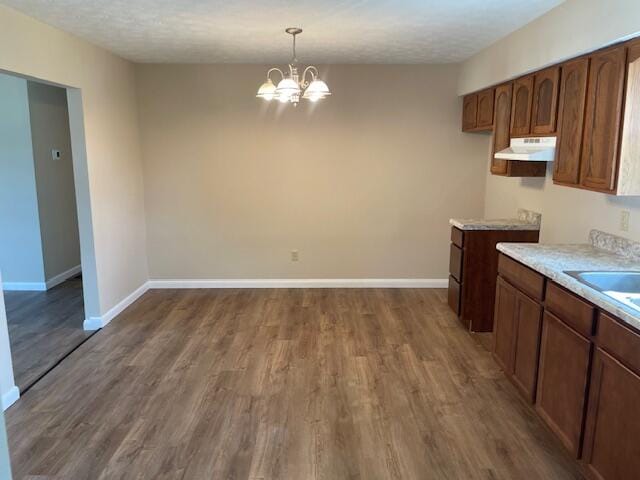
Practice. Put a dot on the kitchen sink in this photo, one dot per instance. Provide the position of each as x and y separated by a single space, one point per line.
621 286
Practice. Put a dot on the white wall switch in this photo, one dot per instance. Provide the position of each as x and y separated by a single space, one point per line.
624 220
55 154
294 255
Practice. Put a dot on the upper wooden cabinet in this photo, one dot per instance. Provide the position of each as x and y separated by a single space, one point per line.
502 121
603 117
485 109
573 93
545 101
469 112
535 103
477 111
522 105
628 181
591 104
502 138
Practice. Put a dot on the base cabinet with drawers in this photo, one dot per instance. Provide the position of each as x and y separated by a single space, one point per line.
578 365
473 264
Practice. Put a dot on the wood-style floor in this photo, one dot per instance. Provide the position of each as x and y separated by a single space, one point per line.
281 384
43 328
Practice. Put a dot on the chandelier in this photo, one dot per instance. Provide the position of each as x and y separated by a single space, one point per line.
292 86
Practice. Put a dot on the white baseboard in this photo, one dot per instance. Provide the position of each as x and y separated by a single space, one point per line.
24 286
10 397
95 323
305 283
61 277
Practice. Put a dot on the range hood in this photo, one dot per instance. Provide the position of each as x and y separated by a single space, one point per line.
532 149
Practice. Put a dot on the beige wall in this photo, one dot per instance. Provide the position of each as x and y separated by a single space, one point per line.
113 173
573 27
54 178
567 213
362 184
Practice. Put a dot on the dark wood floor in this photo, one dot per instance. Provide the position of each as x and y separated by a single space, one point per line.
281 384
43 328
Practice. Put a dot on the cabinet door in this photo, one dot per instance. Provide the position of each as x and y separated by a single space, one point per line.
527 342
611 446
521 109
504 325
573 93
502 121
602 120
562 380
469 112
485 109
545 101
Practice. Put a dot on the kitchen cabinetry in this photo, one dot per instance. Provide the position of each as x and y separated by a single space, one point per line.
591 104
473 266
469 112
477 111
562 380
517 336
611 449
586 377
573 95
546 84
502 138
535 103
502 121
521 106
603 117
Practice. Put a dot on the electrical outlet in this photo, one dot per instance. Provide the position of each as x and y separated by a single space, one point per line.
624 220
294 255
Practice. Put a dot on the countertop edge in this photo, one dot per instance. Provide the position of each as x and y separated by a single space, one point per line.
599 299
489 225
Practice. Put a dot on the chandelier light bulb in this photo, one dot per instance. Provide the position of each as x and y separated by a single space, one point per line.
267 90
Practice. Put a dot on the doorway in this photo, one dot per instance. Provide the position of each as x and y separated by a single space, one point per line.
40 240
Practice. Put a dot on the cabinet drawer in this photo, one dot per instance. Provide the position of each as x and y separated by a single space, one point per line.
454 295
619 341
455 262
457 237
571 309
530 282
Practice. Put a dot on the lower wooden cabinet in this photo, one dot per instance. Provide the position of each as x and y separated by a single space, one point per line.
562 380
612 438
527 341
582 363
517 336
473 265
504 325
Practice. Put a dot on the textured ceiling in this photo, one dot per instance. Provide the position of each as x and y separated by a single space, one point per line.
244 31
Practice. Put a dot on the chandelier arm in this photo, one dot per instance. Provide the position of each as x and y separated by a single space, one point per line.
275 69
314 73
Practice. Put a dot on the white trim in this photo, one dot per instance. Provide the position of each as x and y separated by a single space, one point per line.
95 323
61 277
304 283
10 397
24 286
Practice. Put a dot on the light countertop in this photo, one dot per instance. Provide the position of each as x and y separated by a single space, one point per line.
553 260
525 220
